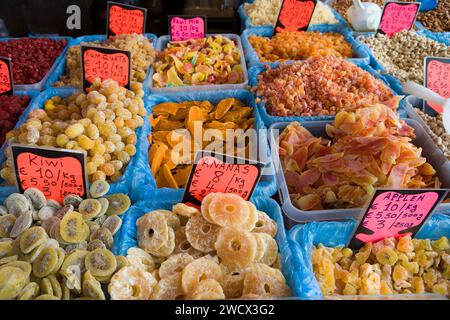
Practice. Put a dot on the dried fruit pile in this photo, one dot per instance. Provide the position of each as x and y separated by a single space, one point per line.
435 128
102 122
370 148
318 86
212 60
226 250
438 19
32 58
300 46
389 266
142 56
53 252
11 107
173 126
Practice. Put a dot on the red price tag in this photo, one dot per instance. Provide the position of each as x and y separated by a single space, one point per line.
184 28
125 19
55 172
395 213
398 16
437 78
105 64
295 15
210 174
6 84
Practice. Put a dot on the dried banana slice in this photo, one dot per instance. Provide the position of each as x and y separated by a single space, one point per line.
236 248
131 283
201 234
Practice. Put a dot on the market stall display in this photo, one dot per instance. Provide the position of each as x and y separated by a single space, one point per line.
103 123
318 86
436 20
140 46
53 251
11 108
214 60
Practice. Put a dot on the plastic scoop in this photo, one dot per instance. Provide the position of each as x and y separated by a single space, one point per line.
364 16
429 95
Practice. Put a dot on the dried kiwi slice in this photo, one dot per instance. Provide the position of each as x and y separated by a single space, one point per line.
96 244
22 265
105 204
17 204
105 236
56 286
22 223
46 286
46 297
72 228
72 199
101 262
12 281
46 262
119 203
36 198
32 238
113 224
92 287
6 225
76 259
29 292
99 188
5 248
90 208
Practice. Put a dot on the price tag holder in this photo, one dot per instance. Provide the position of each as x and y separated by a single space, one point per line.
125 19
294 15
398 16
437 78
6 79
56 172
214 172
105 63
394 213
183 28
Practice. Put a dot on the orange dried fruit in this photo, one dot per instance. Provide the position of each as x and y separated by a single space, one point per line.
228 210
198 270
236 248
265 224
208 289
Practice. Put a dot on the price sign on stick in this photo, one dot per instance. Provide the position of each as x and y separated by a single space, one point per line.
295 15
56 172
398 16
125 19
220 173
105 63
394 213
6 79
183 28
437 78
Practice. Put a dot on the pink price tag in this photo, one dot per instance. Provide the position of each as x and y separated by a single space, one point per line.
295 15
394 213
437 78
398 16
182 29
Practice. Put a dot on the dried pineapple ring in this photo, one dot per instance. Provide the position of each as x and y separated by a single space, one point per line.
168 247
205 206
265 281
265 225
72 228
233 282
201 234
12 281
182 245
271 248
172 219
168 288
152 231
197 270
174 264
184 210
236 248
141 259
131 283
208 288
249 225
100 262
228 210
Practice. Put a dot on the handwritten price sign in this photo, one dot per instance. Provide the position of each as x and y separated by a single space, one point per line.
105 64
183 28
55 172
6 82
210 174
394 213
437 78
398 16
295 15
125 19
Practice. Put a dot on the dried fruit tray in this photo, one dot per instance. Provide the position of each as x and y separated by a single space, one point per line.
134 175
162 44
166 199
267 185
61 67
361 57
46 80
332 234
317 128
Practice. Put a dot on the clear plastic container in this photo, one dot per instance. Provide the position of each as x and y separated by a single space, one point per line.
429 150
162 44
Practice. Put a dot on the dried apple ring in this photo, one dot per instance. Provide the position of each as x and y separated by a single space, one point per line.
100 262
174 264
46 262
197 270
131 283
265 225
32 238
168 288
228 210
141 259
265 281
72 227
201 234
152 231
236 248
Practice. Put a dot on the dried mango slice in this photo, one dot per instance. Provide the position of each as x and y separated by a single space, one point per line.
223 107
158 158
169 177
